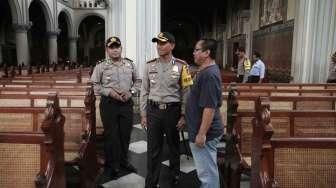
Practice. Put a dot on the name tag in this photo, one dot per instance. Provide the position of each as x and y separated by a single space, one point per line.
175 68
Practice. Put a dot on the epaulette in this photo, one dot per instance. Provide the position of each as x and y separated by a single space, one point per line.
151 60
181 61
100 61
128 59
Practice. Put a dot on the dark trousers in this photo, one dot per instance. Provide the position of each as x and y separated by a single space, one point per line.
117 119
162 122
240 79
253 79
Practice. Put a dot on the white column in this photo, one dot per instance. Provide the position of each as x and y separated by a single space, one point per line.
22 50
52 40
314 40
73 49
148 25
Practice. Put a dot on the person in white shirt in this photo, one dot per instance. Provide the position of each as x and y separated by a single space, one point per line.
257 72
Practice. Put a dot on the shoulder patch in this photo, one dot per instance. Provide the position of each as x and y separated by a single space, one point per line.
128 59
151 60
181 61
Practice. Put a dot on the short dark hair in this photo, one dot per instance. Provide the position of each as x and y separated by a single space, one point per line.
209 44
257 54
241 49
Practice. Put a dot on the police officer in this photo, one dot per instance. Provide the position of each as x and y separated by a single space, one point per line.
162 105
114 80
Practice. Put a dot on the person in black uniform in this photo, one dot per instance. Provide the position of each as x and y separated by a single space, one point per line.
114 80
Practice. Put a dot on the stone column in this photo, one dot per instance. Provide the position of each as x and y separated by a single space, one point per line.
52 40
314 40
73 48
148 26
22 50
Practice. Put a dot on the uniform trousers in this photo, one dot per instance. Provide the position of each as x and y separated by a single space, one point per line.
117 119
162 121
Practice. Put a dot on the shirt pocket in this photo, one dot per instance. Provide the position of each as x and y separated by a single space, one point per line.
153 77
110 75
173 78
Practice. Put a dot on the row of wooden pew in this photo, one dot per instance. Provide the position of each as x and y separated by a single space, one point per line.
34 156
302 121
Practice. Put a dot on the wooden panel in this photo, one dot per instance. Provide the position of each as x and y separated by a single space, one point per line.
14 102
16 122
73 127
315 94
19 165
254 93
283 105
281 126
314 105
288 87
312 87
40 102
246 135
285 94
77 103
245 105
315 126
305 167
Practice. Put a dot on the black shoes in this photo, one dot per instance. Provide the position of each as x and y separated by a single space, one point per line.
129 167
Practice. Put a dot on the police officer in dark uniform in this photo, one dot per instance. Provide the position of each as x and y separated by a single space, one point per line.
114 80
162 104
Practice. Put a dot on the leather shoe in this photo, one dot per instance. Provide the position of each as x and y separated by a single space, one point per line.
129 167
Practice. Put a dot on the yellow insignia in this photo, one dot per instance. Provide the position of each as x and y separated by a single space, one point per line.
186 77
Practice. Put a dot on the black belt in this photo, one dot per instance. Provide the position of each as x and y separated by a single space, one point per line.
161 105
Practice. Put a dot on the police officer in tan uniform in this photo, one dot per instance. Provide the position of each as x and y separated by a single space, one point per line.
114 80
162 106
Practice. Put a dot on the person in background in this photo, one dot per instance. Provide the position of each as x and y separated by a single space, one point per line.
244 65
257 72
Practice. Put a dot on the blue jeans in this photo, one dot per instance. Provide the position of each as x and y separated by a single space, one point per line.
205 159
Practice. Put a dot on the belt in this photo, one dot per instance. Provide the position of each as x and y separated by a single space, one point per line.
161 105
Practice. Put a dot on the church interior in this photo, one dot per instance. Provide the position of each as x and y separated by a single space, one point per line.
278 133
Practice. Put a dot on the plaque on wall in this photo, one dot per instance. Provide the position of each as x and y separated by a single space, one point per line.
272 11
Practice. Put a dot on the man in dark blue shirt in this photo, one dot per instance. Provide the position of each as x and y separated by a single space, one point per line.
203 115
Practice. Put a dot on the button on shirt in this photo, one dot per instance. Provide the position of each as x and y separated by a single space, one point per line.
258 69
161 83
119 76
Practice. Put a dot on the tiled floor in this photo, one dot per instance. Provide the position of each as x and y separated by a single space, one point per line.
137 157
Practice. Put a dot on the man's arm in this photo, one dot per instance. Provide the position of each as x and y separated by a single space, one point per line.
207 117
144 97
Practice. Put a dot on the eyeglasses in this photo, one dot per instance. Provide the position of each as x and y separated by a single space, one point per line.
198 49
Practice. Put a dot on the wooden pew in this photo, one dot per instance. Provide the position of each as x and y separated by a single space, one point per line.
79 128
289 120
6 84
289 162
281 86
34 159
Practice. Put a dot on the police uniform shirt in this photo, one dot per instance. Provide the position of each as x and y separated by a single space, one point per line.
161 83
258 69
119 76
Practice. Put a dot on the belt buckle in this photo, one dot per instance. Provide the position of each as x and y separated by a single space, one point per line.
162 106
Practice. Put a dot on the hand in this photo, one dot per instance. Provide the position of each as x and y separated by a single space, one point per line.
115 95
144 122
180 123
200 140
125 95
